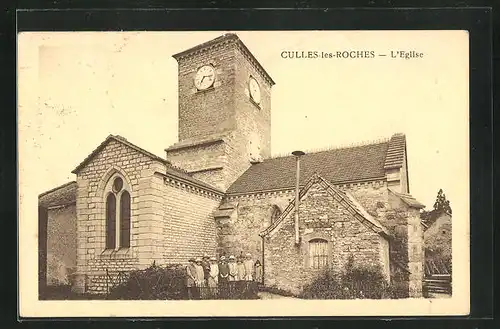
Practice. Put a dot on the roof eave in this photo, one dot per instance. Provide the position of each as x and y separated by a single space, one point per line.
223 38
56 188
185 181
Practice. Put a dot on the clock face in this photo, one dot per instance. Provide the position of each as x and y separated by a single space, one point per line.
205 77
254 90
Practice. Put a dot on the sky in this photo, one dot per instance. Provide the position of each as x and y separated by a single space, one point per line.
75 88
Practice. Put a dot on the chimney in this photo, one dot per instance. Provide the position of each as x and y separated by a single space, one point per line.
297 155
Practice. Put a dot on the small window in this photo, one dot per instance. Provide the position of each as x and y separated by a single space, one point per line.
318 253
276 213
117 184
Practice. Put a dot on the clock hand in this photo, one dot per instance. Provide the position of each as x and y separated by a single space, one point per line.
202 79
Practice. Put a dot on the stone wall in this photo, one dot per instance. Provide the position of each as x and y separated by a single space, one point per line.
289 267
415 252
240 233
204 161
202 113
61 245
253 120
438 239
226 108
403 222
137 171
188 228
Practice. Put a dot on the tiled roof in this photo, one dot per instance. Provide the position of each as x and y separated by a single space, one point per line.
60 196
395 152
336 166
347 200
409 200
430 217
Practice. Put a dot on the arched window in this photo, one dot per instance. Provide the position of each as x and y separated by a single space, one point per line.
275 213
318 253
117 215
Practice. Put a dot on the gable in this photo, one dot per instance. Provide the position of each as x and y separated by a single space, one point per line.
347 202
120 140
444 220
117 148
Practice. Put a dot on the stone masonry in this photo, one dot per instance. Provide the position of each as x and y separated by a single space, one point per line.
61 244
164 211
288 266
137 170
223 112
239 233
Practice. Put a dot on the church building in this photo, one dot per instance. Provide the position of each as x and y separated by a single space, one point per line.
219 191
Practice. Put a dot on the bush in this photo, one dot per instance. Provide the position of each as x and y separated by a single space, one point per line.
161 283
152 283
366 282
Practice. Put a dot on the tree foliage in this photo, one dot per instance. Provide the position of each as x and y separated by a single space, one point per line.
440 205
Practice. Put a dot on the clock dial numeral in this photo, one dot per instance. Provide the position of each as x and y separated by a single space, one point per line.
205 77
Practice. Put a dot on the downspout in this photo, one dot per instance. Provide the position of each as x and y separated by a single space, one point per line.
297 155
263 260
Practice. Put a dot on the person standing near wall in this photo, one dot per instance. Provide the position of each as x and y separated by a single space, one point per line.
223 277
200 278
248 263
191 279
233 273
240 279
249 272
205 263
214 276
258 272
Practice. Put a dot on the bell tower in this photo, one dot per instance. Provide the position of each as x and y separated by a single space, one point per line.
224 111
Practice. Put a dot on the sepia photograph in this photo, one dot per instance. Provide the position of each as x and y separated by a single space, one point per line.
243 173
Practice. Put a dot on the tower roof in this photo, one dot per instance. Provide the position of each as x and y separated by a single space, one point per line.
226 38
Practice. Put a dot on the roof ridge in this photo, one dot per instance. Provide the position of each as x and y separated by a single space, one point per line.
56 188
335 147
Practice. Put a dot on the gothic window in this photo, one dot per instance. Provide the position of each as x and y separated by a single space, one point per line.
117 215
318 253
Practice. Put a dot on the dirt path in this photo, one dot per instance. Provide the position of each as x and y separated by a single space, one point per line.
268 295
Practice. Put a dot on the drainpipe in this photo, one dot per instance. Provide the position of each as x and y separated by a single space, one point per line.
297 155
263 260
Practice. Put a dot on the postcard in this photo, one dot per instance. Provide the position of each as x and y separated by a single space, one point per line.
243 173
